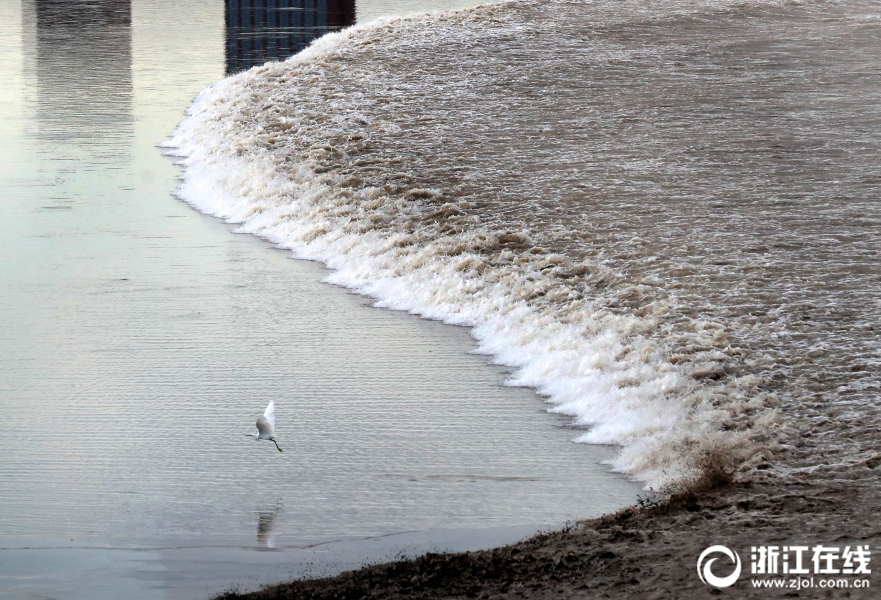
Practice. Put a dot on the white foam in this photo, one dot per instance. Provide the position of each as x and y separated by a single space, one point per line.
591 364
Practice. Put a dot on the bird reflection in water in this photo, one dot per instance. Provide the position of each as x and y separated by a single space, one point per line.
266 527
258 31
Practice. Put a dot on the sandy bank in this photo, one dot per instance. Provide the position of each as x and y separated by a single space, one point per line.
638 553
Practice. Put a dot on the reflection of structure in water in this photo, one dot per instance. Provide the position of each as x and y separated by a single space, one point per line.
258 31
79 54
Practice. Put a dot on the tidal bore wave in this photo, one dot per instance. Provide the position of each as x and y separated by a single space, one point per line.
660 214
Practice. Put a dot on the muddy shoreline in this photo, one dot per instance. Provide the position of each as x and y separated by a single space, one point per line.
640 552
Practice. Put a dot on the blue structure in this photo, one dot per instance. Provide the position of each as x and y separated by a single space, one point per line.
258 31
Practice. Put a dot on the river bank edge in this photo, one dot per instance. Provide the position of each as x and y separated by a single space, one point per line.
648 551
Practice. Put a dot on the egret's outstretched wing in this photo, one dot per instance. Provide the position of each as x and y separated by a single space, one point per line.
270 413
265 428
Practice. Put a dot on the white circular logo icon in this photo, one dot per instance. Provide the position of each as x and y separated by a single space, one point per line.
706 573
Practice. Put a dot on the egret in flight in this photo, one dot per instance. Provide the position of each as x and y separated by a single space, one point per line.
266 426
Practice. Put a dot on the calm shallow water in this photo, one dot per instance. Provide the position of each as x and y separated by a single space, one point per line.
141 340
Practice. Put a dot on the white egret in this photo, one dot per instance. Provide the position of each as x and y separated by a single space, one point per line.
266 426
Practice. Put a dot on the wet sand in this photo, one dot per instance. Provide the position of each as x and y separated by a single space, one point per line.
642 552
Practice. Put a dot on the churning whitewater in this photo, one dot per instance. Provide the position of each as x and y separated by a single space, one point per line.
651 211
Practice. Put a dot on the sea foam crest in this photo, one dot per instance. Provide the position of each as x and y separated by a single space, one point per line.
281 151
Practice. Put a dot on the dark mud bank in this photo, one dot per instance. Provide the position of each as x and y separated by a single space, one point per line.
641 552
